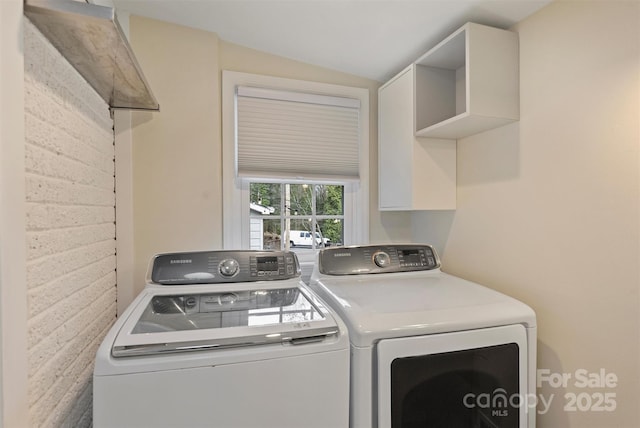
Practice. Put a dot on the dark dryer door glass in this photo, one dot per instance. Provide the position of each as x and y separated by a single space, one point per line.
465 379
474 388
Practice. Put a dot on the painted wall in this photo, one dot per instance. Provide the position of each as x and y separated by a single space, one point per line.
70 234
548 208
177 153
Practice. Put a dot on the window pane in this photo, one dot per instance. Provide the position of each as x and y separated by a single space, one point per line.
300 234
332 231
270 234
300 199
329 200
265 197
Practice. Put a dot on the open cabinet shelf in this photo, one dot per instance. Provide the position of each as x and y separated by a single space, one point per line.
468 83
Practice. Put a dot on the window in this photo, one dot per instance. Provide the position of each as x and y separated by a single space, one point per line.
295 163
283 216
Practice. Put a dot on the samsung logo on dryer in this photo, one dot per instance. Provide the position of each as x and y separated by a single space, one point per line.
180 261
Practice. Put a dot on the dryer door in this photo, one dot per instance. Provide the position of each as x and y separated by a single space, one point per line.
475 379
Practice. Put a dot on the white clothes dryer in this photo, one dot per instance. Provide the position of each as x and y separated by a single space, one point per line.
224 339
428 349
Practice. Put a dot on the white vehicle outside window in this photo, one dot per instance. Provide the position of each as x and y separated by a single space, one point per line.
302 238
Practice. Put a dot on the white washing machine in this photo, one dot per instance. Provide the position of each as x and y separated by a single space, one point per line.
224 339
428 349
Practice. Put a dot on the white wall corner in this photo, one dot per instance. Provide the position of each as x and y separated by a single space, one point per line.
13 289
125 254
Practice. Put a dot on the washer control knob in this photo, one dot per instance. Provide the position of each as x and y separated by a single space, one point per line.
381 259
229 267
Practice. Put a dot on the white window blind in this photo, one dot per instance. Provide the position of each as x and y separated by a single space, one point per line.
283 134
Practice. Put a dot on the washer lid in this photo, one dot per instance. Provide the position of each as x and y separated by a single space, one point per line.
193 319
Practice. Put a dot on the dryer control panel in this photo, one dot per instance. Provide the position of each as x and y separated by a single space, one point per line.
377 259
211 267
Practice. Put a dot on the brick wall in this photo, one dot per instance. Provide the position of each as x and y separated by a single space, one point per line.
70 234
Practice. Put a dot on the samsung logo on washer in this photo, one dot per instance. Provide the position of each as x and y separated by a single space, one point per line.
180 261
342 255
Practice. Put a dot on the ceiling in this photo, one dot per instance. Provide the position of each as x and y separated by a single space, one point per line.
368 38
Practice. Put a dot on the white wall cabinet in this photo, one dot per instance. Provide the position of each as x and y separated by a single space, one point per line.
413 173
468 83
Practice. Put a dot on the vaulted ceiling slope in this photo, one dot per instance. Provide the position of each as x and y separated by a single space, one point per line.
368 38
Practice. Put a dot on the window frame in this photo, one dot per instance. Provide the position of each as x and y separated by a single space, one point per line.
235 190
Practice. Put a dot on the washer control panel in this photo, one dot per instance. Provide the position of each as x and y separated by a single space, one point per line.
377 259
211 267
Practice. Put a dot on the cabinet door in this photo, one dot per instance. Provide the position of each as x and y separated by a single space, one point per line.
395 143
